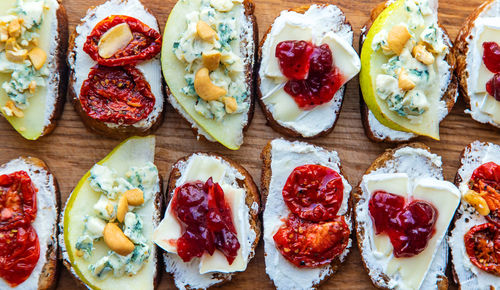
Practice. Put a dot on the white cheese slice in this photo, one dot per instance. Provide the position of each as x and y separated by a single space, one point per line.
491 106
489 34
201 168
167 232
285 107
345 57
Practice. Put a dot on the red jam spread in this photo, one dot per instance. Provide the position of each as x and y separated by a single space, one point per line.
146 42
312 78
491 59
19 246
409 226
313 234
117 95
482 243
314 192
485 180
206 219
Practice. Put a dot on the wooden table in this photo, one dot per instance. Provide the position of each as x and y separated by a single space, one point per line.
71 150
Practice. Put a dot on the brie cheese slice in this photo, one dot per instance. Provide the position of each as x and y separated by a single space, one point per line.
488 34
345 57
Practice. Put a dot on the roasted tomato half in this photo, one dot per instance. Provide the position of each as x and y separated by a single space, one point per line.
482 243
142 43
17 200
117 95
314 192
485 180
311 244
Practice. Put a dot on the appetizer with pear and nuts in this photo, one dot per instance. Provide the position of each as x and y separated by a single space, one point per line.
33 42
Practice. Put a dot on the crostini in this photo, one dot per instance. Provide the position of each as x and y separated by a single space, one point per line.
403 208
307 214
116 84
208 59
305 59
28 225
477 49
406 79
474 239
211 226
33 42
108 221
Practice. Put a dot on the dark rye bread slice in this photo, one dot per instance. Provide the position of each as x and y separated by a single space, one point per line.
118 131
252 197
381 162
450 96
33 166
266 175
273 123
250 71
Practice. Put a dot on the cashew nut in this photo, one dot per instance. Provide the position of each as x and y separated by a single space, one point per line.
13 52
211 59
134 196
15 27
32 86
122 208
404 81
205 32
231 104
14 111
478 202
205 88
397 38
116 240
422 55
115 39
37 57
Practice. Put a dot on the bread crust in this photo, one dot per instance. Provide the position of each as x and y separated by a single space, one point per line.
273 123
96 126
449 96
252 196
266 175
380 162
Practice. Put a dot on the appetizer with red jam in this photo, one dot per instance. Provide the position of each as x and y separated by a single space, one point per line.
211 226
307 217
403 208
306 58
475 240
116 84
29 201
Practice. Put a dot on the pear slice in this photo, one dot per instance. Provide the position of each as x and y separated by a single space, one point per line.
135 151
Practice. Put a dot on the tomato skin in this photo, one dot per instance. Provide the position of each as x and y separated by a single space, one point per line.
486 177
482 244
145 45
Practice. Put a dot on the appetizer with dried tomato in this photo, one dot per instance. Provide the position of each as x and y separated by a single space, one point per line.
403 208
208 59
475 240
29 202
478 63
307 215
115 83
33 42
211 227
108 220
306 58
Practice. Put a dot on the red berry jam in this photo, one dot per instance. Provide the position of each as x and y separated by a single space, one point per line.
314 192
493 86
409 226
313 79
482 243
206 219
491 56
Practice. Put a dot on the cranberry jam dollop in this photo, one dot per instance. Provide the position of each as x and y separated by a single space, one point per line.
312 77
206 219
409 226
491 59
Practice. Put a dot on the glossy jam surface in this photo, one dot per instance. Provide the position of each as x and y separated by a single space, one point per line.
311 244
312 78
206 219
485 180
19 246
482 243
491 56
409 226
493 86
314 192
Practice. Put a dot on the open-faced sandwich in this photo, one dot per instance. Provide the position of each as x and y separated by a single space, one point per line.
208 58
477 49
307 214
115 73
403 208
305 59
406 79
33 42
108 220
29 202
475 240
211 226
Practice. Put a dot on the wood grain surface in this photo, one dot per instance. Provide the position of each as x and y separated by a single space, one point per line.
71 150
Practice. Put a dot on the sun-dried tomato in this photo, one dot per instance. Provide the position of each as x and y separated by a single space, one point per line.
482 243
485 180
146 42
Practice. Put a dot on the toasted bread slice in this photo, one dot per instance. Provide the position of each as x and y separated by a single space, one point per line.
187 275
468 52
320 120
45 273
280 158
376 131
417 161
465 274
80 64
